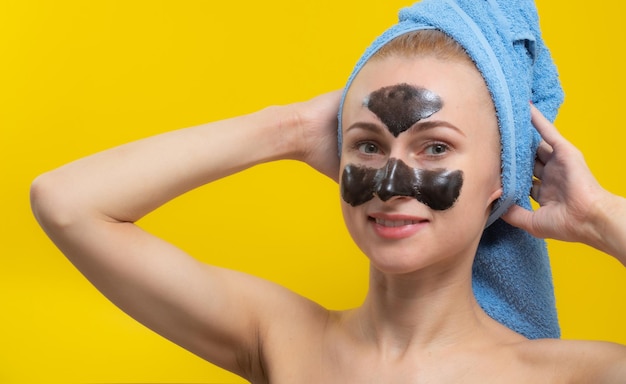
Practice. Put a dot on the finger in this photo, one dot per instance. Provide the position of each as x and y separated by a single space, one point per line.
535 190
544 152
518 217
545 128
538 169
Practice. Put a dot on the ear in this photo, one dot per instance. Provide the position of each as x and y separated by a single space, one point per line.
495 195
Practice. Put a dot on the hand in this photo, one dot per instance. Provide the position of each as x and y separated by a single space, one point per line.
571 200
317 122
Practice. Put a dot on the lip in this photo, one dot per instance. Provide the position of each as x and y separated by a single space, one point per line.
396 226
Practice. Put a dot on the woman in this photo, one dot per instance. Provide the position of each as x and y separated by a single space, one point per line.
420 321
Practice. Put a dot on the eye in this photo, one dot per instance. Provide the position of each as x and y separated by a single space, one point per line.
368 148
437 149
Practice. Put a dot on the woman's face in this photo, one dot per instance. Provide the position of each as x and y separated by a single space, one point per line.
420 161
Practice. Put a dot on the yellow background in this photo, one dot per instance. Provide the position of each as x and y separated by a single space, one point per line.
80 76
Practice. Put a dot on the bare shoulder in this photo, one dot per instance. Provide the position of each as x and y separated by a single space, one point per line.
233 319
287 325
576 361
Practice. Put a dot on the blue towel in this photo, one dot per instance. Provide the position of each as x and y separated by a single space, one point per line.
512 279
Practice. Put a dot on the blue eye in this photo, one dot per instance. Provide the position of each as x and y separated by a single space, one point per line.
368 148
437 149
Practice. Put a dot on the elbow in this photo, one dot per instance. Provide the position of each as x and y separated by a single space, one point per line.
51 202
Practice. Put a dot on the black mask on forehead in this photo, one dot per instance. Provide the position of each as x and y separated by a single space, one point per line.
400 106
438 189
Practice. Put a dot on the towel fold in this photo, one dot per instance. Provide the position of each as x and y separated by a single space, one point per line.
512 279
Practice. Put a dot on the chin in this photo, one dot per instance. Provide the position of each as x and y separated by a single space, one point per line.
395 260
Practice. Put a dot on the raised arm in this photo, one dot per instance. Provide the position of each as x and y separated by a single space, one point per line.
573 205
89 207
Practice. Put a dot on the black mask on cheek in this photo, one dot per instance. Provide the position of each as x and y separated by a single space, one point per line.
438 188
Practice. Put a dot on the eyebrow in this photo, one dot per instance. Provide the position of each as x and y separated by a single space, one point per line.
417 127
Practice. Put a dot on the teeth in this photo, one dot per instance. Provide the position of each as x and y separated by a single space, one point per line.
396 223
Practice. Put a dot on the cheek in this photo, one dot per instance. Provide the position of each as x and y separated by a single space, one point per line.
492 171
482 185
481 159
354 221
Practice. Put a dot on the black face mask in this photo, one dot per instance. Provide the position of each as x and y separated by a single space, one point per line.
400 106
438 188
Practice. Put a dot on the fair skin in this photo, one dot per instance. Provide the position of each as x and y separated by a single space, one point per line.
419 321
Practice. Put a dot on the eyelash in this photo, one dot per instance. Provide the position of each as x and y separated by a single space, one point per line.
445 147
359 147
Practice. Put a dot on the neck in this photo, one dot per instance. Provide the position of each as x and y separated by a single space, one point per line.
422 310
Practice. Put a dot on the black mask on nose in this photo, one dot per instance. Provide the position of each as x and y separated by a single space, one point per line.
438 188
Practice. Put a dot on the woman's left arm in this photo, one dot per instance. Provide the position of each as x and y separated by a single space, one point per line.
573 205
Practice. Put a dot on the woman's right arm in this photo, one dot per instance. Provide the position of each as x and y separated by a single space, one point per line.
88 208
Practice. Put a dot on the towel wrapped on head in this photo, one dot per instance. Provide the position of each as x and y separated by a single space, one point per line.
512 279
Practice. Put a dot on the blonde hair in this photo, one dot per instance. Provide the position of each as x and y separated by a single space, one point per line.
427 42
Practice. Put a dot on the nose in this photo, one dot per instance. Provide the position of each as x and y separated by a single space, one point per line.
397 179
